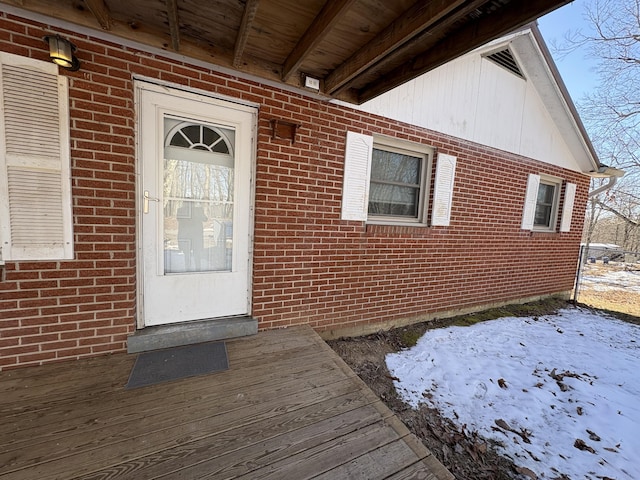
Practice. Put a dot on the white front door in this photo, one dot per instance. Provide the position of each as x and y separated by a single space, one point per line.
195 157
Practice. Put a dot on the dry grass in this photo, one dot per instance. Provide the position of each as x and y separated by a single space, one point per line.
616 301
621 297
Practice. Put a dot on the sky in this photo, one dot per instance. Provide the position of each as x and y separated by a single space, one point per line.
560 392
576 69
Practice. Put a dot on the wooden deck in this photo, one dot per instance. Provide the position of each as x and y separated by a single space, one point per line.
288 408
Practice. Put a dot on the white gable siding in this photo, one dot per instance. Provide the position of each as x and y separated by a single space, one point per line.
539 138
501 101
536 137
443 93
474 99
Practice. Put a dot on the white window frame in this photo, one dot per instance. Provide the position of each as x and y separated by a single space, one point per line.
357 173
357 178
556 183
424 152
531 202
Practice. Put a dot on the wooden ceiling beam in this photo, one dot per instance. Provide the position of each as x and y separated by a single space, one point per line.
469 37
321 26
159 39
427 38
418 18
249 14
174 24
99 10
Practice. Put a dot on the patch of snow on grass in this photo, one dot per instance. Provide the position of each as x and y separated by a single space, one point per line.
560 393
611 277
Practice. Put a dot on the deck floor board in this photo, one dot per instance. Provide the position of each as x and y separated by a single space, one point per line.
288 407
45 420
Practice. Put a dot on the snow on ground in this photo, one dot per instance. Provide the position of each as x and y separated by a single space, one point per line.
560 392
614 276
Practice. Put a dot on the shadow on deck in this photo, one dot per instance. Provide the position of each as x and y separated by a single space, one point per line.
288 408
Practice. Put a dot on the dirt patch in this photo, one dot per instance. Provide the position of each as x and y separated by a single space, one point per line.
464 453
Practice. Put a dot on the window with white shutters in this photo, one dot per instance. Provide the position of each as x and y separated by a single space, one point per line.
386 180
35 183
542 200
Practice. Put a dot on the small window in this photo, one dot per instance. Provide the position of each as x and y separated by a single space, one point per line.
541 204
386 181
199 137
397 182
546 205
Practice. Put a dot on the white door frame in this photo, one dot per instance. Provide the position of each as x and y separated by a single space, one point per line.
154 85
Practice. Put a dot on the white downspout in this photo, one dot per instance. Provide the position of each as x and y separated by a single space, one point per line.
613 174
612 181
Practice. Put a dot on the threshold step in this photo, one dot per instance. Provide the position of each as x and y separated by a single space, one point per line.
188 333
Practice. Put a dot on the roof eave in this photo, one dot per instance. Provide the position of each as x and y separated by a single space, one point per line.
565 98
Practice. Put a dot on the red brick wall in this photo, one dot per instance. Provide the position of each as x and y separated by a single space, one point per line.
309 266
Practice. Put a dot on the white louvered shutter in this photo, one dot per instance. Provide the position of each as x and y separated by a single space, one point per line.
567 209
35 181
443 190
531 198
357 170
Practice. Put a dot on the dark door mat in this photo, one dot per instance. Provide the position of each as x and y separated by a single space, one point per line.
178 362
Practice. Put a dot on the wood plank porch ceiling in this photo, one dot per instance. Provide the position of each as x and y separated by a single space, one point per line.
357 48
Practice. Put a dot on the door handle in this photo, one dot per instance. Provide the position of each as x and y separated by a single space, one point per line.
146 198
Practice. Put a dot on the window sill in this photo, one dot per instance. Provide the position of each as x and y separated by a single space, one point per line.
393 223
543 230
397 224
398 229
544 233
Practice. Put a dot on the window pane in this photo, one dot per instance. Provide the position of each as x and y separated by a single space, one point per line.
209 136
395 167
198 216
393 200
395 184
545 194
198 200
544 205
543 215
180 140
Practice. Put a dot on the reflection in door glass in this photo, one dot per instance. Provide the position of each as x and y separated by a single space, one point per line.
198 197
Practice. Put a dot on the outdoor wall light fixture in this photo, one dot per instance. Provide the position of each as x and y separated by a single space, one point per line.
61 52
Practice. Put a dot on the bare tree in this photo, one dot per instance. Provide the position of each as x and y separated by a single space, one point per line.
591 221
611 113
